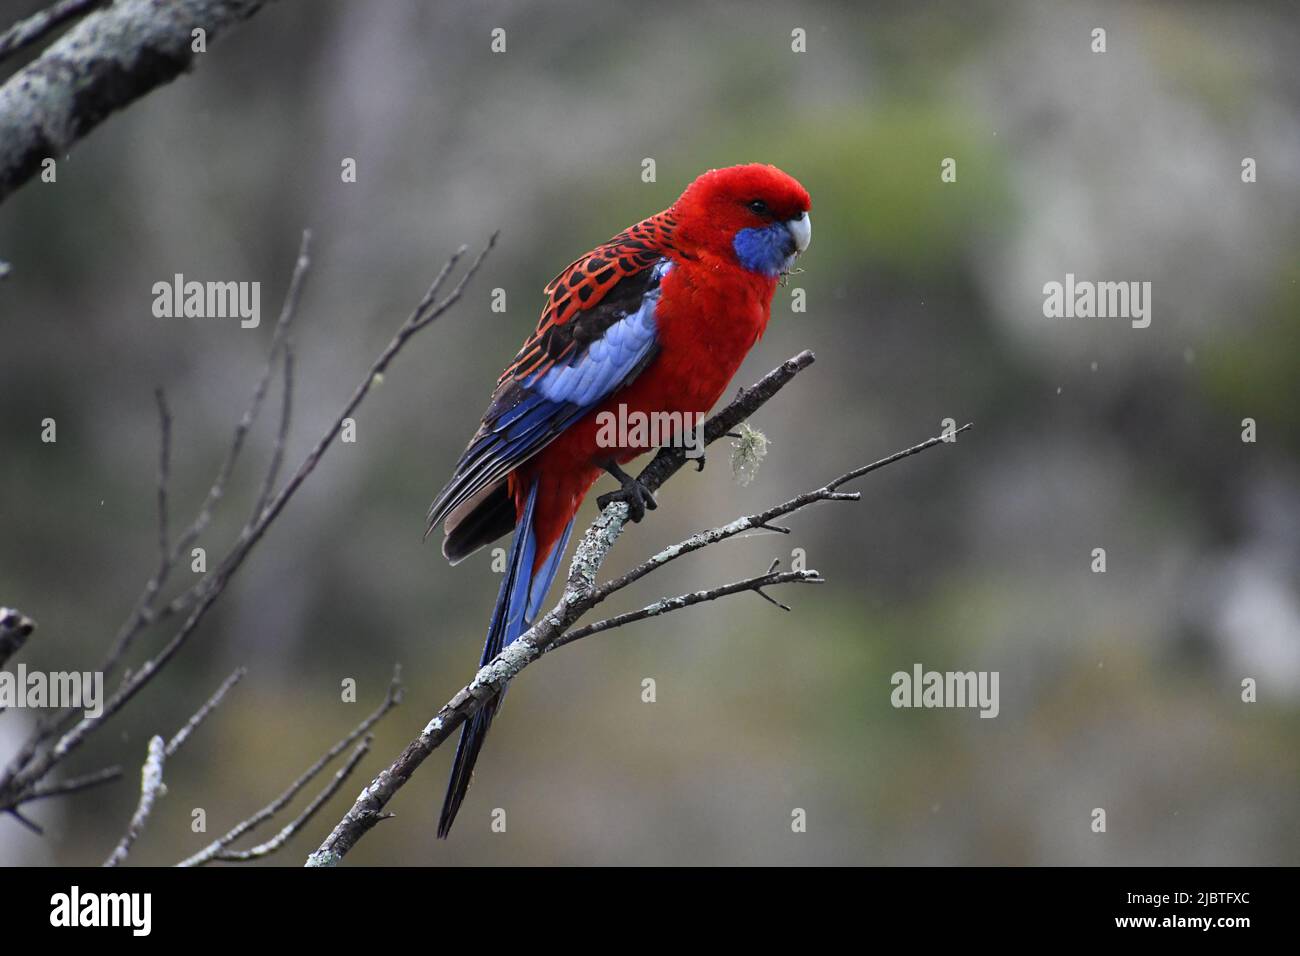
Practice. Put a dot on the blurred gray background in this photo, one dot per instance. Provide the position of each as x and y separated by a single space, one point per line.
1119 690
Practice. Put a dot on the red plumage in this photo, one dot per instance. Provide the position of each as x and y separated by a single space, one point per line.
710 314
728 238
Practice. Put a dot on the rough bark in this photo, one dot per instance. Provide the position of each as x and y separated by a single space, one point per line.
107 61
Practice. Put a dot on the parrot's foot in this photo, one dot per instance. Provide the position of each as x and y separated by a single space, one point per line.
700 458
635 495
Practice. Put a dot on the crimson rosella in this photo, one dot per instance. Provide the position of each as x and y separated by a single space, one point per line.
656 320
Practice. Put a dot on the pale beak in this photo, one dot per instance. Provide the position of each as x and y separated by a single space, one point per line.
800 231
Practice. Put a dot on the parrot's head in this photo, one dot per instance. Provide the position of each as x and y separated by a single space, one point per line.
754 215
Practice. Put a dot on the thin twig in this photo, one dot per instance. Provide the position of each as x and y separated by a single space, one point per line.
29 766
668 605
221 845
77 784
287 832
141 615
143 612
828 492
151 788
201 714
25 821
281 434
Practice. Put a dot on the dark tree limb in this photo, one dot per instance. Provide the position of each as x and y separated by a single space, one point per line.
107 61
15 628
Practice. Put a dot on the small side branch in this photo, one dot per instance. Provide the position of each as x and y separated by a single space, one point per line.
675 604
220 849
152 787
68 787
202 713
668 605
286 834
144 611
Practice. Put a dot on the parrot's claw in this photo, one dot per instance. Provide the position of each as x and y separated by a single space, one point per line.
635 495
700 458
638 498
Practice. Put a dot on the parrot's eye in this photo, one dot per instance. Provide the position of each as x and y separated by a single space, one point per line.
758 207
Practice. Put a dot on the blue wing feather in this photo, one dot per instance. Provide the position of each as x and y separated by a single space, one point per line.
594 373
544 403
533 410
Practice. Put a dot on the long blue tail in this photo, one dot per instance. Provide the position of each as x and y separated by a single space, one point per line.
518 602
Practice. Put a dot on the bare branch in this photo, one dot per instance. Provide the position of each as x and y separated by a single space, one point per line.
281 435
286 834
77 784
201 714
762 520
39 25
151 774
219 849
110 59
143 613
580 595
151 788
29 766
668 605
28 823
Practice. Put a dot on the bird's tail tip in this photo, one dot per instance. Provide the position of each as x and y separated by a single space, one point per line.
462 766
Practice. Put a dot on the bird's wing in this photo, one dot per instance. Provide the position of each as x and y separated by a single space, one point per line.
583 285
596 334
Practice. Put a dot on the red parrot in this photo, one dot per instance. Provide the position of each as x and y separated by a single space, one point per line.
657 320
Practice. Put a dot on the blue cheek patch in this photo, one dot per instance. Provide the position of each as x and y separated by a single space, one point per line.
766 251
